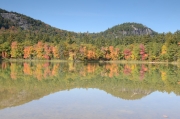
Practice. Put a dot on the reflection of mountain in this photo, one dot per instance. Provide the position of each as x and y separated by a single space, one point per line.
129 94
23 82
17 94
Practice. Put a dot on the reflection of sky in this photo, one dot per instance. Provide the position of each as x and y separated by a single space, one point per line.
96 104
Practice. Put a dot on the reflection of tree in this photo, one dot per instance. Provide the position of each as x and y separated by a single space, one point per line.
91 68
55 69
143 71
14 71
111 78
111 69
4 65
27 69
127 69
39 71
71 66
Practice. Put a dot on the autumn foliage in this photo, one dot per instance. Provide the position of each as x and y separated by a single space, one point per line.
88 52
4 54
127 54
28 52
143 53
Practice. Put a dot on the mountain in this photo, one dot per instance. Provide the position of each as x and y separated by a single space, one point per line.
128 29
9 19
15 20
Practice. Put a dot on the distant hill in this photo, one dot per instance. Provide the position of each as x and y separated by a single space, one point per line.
9 19
23 22
128 29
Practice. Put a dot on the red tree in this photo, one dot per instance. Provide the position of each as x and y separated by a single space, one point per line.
142 52
127 54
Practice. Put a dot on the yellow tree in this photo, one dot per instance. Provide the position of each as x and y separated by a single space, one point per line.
114 53
164 54
55 52
28 52
15 50
39 48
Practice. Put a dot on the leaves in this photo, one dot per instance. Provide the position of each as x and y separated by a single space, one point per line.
16 50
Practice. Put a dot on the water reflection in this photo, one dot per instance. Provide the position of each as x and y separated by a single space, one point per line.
22 82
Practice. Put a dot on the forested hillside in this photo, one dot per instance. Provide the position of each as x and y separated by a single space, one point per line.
22 37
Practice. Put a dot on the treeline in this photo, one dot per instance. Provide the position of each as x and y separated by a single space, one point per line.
24 44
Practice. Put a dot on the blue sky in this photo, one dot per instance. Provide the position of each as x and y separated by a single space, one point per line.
99 15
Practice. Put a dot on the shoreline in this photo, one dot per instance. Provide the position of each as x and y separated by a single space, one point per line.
115 61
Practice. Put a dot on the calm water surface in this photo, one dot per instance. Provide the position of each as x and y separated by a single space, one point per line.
46 90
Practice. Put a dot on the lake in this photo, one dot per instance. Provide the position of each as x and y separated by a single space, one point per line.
67 90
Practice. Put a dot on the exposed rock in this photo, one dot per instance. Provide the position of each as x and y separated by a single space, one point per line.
17 20
128 29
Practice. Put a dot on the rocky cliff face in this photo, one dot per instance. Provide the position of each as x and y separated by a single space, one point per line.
138 31
128 29
17 20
